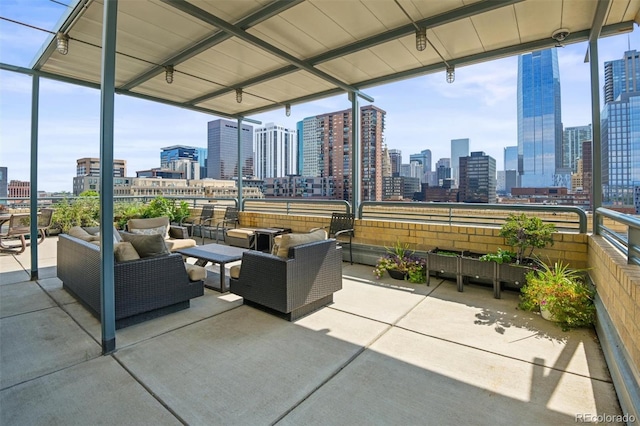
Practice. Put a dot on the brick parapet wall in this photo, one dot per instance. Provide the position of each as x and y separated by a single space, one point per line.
618 286
571 248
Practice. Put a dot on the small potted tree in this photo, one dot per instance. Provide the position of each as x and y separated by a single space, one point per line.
524 234
560 294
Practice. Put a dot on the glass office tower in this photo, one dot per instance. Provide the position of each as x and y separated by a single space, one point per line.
459 149
222 149
620 130
539 118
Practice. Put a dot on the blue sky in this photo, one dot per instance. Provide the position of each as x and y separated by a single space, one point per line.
422 113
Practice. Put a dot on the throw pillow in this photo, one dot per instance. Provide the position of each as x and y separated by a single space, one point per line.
125 251
146 245
292 240
161 230
80 233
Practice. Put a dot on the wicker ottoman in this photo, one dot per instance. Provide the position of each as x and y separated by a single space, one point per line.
240 237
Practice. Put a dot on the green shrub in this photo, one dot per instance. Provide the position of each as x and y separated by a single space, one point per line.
524 234
561 291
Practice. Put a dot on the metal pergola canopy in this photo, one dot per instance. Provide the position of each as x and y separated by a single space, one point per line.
283 52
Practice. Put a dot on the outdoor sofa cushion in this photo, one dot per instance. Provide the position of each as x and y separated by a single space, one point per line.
149 225
125 251
80 233
147 245
195 272
282 243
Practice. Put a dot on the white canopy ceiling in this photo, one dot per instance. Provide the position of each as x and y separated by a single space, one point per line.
286 52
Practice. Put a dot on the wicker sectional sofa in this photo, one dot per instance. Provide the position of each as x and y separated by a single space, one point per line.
144 289
291 286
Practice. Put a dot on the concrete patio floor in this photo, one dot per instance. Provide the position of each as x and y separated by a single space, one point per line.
385 352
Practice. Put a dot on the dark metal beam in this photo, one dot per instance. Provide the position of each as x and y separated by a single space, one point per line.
468 60
261 44
249 21
71 80
431 22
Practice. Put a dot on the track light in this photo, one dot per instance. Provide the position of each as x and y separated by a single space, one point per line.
421 39
451 73
287 110
239 95
168 70
62 43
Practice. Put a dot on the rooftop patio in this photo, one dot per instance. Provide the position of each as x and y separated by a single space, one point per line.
385 352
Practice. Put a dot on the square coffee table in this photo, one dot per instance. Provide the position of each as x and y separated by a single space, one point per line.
215 253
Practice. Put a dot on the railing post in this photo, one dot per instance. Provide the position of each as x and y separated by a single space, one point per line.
633 254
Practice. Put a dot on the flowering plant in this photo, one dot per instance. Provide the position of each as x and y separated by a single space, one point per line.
562 292
401 259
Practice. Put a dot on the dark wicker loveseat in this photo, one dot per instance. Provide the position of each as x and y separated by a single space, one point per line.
144 288
294 286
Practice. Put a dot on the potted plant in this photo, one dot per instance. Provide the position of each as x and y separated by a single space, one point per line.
560 294
401 263
524 234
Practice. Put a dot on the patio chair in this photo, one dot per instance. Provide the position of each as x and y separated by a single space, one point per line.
19 229
230 220
195 224
341 225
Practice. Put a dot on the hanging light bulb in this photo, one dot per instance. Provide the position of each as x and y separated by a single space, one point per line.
287 110
421 39
451 73
168 70
239 95
62 43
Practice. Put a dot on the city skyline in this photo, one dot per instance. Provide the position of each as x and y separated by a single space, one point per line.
422 113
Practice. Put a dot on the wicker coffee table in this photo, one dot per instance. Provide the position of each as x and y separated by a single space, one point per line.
215 253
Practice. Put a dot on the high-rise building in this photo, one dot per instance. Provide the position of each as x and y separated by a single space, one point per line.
395 155
477 178
621 76
572 139
91 167
327 150
222 149
539 118
275 151
424 158
386 163
182 158
587 169
620 130
299 135
459 149
311 143
4 184
511 158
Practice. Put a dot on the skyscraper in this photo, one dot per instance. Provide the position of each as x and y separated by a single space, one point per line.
572 139
477 178
424 158
539 118
327 150
275 150
620 130
395 155
459 149
222 149
181 158
621 76
511 158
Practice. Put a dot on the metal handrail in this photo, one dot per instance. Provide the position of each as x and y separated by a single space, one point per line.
296 206
629 242
457 213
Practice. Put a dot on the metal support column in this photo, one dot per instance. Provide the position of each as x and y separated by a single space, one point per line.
240 164
356 147
33 189
596 147
107 93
